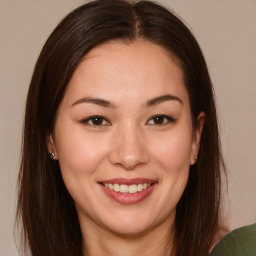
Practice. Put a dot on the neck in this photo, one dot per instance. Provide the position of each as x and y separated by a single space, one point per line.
106 243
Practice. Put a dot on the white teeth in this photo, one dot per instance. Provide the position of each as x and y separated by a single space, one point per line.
116 187
133 189
122 188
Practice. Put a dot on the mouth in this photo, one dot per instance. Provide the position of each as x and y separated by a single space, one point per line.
128 191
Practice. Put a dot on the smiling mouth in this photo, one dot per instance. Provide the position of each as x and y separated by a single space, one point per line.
127 189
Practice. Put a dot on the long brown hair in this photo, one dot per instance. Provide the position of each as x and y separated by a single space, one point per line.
45 208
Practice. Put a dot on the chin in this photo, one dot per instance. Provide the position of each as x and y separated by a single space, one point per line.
131 230
132 224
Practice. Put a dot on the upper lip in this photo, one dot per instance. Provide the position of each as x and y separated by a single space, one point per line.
126 181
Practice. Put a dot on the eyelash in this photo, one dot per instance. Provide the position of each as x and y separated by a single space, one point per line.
168 119
91 118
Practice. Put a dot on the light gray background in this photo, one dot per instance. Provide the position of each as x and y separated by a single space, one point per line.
226 31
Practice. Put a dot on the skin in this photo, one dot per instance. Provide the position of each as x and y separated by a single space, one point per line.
129 143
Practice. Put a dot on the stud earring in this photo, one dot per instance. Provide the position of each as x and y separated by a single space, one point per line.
52 155
195 157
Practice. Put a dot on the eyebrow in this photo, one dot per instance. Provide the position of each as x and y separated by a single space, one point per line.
158 100
107 104
96 101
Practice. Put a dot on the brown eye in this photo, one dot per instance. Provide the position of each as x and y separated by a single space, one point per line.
96 121
158 119
161 120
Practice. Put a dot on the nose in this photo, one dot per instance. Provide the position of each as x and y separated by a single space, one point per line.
129 150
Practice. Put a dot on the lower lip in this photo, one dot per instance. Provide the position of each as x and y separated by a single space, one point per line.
126 198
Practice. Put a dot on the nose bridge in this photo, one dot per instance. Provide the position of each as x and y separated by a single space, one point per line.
130 148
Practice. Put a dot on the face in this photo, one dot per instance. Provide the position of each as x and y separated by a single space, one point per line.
124 139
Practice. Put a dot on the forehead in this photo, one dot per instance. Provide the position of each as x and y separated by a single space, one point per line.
139 69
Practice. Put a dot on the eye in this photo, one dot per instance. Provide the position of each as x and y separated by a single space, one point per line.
161 120
96 121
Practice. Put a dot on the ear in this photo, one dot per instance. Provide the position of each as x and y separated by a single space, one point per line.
51 147
197 138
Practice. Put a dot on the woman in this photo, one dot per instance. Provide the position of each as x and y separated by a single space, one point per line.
121 150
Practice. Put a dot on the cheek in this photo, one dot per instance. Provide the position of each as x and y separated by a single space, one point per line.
79 154
172 156
173 150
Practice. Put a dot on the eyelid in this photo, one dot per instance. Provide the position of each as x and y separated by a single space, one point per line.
170 119
87 119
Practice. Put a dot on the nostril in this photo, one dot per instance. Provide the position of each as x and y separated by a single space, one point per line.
128 161
129 151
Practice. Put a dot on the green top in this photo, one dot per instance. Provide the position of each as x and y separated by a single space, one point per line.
240 242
